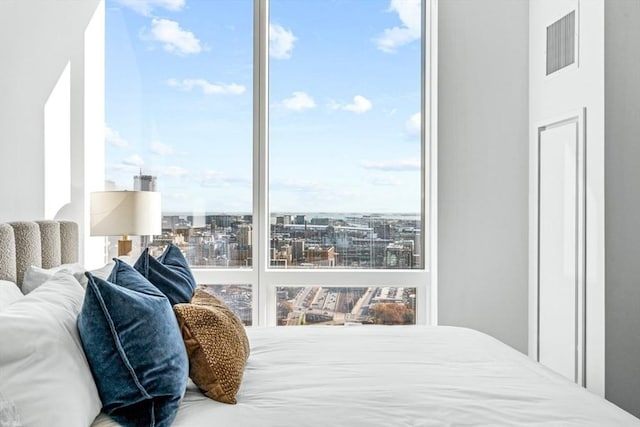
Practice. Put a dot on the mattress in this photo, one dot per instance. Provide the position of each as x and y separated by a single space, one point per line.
394 376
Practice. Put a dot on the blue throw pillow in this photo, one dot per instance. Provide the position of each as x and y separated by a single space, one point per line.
134 347
170 273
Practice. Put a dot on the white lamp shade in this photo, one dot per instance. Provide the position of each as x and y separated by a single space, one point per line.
123 213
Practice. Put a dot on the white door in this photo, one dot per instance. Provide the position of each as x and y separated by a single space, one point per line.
561 251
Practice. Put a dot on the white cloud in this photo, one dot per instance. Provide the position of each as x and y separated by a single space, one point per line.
211 174
174 39
145 7
385 180
207 87
359 105
299 101
413 125
115 169
299 185
212 178
133 160
409 13
173 171
161 149
113 137
281 42
177 196
391 165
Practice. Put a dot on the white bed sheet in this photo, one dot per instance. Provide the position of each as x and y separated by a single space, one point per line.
394 376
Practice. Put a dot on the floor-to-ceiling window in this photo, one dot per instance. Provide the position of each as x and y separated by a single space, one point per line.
287 140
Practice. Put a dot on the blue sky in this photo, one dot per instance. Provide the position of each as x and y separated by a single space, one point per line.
344 102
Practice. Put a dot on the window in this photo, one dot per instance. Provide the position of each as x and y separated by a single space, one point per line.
179 119
340 306
344 134
286 138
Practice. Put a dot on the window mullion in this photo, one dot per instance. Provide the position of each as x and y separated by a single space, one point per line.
430 147
262 304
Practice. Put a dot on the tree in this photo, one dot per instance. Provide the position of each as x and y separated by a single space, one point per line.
284 308
393 314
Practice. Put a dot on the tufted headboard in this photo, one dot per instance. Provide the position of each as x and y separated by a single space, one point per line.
44 244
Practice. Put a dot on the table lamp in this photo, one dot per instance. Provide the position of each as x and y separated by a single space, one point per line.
125 213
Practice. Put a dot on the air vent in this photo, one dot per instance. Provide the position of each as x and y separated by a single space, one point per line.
561 43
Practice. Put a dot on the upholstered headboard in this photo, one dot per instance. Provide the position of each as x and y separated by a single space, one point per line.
44 244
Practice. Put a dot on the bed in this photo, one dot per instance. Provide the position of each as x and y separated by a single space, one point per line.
367 375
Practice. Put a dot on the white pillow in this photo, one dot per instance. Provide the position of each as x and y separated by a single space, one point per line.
102 272
128 259
43 369
36 276
9 292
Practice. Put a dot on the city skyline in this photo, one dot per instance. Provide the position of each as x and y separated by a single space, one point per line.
296 241
293 213
344 104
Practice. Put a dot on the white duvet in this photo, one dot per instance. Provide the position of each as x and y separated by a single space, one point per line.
394 376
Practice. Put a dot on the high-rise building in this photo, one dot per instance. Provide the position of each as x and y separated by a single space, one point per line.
144 182
283 220
320 256
297 251
245 235
399 254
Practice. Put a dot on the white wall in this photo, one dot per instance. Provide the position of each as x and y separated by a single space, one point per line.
555 97
39 38
622 178
606 83
482 167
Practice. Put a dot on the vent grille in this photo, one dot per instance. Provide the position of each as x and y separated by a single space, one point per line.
561 43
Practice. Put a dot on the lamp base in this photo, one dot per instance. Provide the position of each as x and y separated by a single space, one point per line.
124 246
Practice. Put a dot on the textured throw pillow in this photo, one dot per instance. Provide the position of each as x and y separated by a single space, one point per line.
9 292
134 347
170 273
44 376
217 346
204 298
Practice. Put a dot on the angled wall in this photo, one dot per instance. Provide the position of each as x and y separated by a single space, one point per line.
622 196
50 53
483 70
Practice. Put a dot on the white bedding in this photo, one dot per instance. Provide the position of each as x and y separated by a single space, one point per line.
394 376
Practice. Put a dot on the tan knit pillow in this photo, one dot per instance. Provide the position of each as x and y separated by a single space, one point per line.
202 297
216 344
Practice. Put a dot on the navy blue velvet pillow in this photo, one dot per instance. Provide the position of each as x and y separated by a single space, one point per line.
134 347
170 273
